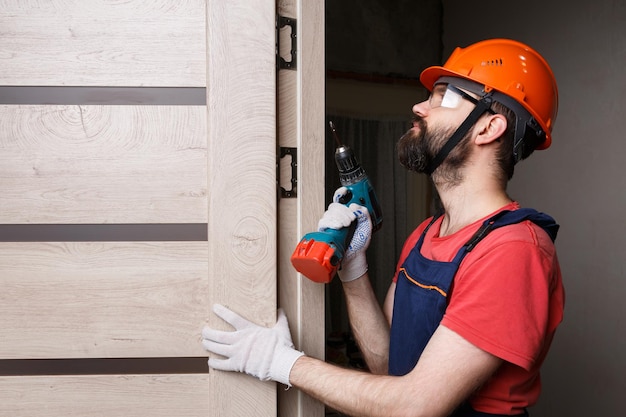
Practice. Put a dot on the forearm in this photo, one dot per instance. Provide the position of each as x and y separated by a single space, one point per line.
369 325
343 389
448 372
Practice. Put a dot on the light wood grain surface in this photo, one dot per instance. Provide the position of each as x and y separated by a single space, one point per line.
103 164
105 396
102 300
301 125
242 201
103 43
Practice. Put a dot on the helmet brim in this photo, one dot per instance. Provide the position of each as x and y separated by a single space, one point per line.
430 75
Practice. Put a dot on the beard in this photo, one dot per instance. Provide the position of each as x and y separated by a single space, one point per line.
417 149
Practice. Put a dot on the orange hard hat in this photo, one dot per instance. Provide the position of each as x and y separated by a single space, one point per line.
508 67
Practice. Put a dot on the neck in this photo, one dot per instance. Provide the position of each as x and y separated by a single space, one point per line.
468 202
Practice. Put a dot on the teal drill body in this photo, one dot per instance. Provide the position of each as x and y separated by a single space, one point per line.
319 254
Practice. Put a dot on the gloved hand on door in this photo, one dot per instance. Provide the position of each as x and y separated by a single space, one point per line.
266 353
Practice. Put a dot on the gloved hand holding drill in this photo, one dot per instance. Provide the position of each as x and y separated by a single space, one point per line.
338 216
268 353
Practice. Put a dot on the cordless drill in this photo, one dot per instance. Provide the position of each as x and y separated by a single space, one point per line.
319 254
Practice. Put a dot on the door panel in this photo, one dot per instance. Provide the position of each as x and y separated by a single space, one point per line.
103 164
104 395
241 100
103 43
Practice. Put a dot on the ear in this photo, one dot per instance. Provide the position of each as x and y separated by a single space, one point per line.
491 129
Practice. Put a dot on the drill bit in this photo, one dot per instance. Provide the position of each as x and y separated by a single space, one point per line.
334 131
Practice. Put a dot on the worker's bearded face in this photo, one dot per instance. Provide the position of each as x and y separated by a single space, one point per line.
419 146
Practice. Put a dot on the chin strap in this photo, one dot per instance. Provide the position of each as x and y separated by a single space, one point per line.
482 105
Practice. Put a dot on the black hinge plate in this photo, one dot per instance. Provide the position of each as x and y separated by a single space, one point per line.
293 153
281 22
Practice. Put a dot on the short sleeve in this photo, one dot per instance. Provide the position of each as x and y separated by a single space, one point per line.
503 292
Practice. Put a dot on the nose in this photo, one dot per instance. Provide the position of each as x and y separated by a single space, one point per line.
421 109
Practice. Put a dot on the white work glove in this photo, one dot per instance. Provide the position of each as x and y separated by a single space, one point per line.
338 216
265 353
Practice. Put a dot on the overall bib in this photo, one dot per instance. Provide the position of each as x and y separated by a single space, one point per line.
423 288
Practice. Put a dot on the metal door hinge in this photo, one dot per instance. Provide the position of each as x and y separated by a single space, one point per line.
281 23
293 154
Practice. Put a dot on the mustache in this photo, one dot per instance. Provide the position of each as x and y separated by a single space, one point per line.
419 120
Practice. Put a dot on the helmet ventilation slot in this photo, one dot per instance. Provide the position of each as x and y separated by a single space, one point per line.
492 63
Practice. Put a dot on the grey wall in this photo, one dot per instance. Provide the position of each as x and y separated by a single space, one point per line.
382 37
580 180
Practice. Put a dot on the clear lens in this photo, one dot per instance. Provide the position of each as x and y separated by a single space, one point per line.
444 96
451 99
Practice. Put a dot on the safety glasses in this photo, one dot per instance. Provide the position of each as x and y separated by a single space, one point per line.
450 97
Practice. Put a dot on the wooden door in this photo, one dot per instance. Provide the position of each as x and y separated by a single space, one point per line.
138 162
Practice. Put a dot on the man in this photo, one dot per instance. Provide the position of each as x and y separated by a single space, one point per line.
477 294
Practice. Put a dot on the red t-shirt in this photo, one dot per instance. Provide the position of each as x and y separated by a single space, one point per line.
507 299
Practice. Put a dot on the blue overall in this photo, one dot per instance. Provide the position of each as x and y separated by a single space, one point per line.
419 308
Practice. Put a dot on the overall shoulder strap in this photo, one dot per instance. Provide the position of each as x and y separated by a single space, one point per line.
507 217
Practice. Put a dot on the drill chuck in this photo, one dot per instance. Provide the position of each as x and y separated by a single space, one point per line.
350 171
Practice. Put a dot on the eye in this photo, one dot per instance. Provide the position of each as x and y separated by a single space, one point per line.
437 96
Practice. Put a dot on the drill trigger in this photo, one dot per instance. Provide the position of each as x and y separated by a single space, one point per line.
345 199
